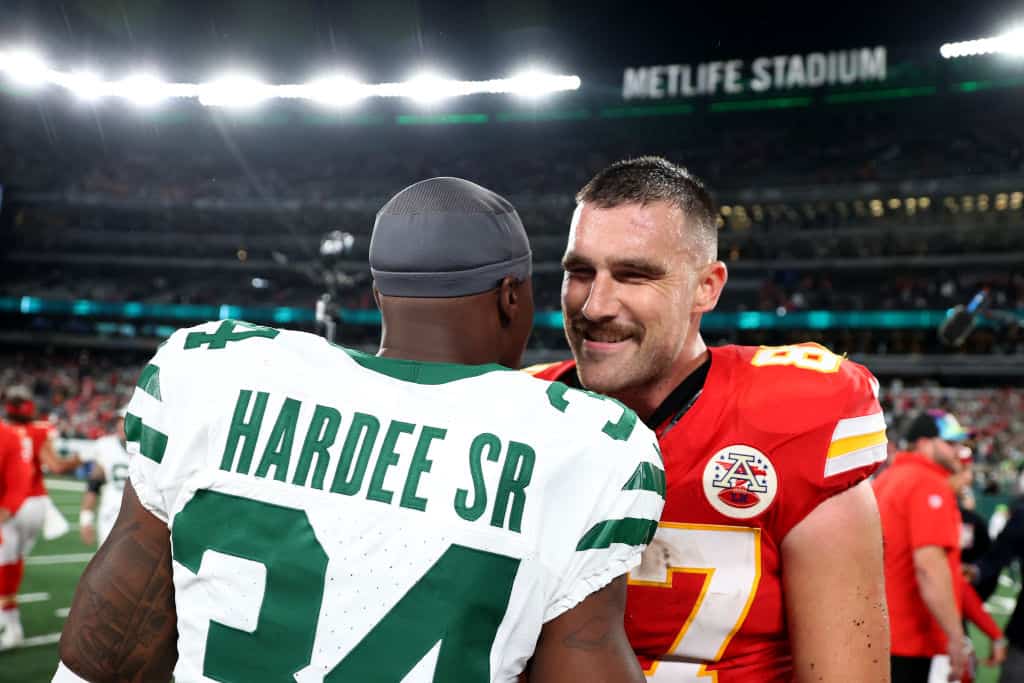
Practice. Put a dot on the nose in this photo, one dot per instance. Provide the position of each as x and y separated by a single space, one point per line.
602 300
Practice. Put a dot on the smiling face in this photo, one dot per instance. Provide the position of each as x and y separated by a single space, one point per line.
630 293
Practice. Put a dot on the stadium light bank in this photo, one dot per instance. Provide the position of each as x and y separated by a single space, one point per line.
1010 43
28 70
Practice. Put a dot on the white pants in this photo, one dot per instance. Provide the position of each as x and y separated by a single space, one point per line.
21 531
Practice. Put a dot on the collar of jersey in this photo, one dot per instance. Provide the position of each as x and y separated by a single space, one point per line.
421 372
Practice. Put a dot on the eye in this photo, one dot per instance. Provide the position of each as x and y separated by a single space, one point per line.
579 272
632 276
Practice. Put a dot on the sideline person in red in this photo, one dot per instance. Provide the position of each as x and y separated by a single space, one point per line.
15 481
921 529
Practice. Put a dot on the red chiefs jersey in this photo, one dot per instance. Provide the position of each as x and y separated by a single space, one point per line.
33 435
14 471
772 433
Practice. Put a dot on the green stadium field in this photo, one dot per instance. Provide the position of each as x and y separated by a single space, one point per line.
54 568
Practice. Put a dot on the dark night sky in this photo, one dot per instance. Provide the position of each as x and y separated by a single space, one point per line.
385 39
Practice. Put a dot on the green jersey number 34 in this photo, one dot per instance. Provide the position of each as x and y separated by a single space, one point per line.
459 601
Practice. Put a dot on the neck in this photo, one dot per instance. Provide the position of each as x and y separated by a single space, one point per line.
437 333
645 399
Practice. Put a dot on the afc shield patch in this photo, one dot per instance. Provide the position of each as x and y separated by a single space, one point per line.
740 481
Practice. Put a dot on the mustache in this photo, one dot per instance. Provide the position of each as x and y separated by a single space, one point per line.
582 327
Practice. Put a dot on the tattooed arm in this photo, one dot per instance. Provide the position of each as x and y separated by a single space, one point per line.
587 643
122 625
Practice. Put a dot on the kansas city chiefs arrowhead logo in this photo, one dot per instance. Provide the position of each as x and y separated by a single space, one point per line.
740 481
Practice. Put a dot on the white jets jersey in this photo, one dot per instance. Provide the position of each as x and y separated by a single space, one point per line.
336 516
109 454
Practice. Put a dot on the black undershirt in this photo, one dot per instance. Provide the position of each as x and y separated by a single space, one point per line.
682 398
675 404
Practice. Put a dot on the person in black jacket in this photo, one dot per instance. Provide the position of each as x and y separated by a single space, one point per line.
1009 545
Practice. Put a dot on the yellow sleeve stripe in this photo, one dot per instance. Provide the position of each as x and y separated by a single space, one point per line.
856 443
855 426
855 460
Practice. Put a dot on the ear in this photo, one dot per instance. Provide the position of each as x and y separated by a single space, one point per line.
508 300
711 281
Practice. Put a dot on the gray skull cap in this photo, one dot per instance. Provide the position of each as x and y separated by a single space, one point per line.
447 237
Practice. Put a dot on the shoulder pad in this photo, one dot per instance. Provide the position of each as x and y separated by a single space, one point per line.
797 388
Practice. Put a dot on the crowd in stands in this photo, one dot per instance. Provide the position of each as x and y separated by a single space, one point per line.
995 417
81 392
247 160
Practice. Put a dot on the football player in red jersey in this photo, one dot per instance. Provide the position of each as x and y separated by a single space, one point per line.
767 564
35 438
15 479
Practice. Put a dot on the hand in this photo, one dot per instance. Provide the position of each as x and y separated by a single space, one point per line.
88 534
971 572
959 651
998 653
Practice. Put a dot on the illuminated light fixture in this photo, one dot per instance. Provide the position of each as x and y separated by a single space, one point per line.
894 203
25 67
535 84
144 90
726 210
234 90
924 202
85 85
1010 43
335 91
428 88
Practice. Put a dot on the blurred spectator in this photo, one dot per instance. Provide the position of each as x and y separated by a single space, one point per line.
921 531
1008 546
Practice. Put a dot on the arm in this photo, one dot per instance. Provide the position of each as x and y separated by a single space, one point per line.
935 583
87 513
835 592
587 643
122 625
54 463
974 612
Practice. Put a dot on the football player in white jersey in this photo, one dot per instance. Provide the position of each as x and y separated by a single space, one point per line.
298 511
106 484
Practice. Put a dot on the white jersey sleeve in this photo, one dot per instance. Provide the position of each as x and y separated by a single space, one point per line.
618 523
162 424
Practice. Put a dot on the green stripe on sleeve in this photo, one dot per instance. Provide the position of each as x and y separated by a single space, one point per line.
647 477
152 443
149 381
631 531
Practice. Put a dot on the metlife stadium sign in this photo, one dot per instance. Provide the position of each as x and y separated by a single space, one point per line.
760 75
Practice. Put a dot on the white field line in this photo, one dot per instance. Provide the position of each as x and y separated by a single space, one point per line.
26 598
64 485
48 639
59 559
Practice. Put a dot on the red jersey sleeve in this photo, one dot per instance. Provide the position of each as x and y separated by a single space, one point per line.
823 415
932 515
15 475
974 612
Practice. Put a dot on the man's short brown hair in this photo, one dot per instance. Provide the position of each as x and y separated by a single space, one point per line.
653 179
